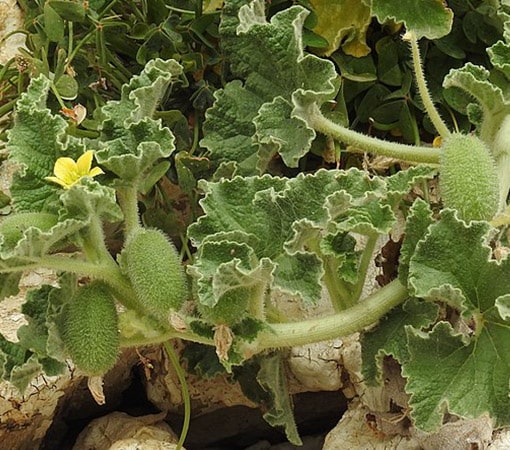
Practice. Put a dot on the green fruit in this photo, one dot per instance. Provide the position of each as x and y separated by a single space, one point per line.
155 271
468 180
90 330
13 226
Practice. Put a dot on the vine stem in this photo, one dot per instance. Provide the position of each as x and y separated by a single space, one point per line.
432 111
109 273
289 334
409 153
184 392
128 201
351 320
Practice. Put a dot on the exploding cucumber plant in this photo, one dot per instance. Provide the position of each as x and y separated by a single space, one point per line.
311 237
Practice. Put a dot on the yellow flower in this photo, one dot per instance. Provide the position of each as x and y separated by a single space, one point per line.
68 172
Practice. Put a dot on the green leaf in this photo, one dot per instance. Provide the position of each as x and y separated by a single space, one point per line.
453 264
430 18
417 225
273 379
277 132
254 116
389 337
90 199
136 150
131 142
53 24
9 282
72 11
37 139
470 378
39 310
67 87
343 23
142 95
475 80
500 57
290 225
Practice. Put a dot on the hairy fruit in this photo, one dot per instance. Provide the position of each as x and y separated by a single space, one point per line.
154 269
468 180
91 329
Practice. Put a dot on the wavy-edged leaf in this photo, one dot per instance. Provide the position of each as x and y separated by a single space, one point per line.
37 139
343 24
297 224
254 116
417 224
466 377
453 264
272 378
389 337
426 18
475 81
131 141
142 95
500 57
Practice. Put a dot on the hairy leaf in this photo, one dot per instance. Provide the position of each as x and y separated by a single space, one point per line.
464 373
251 119
131 141
426 18
389 338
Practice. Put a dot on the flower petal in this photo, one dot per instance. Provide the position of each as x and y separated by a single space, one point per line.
66 170
58 181
95 171
84 163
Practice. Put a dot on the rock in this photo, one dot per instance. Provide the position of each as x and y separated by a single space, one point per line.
127 433
356 431
11 18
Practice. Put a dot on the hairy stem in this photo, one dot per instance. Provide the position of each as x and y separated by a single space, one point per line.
349 321
339 293
409 153
432 112
107 272
128 200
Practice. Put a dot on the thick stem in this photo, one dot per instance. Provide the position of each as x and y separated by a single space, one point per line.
109 273
290 334
128 200
138 341
409 153
339 294
349 321
94 245
434 115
